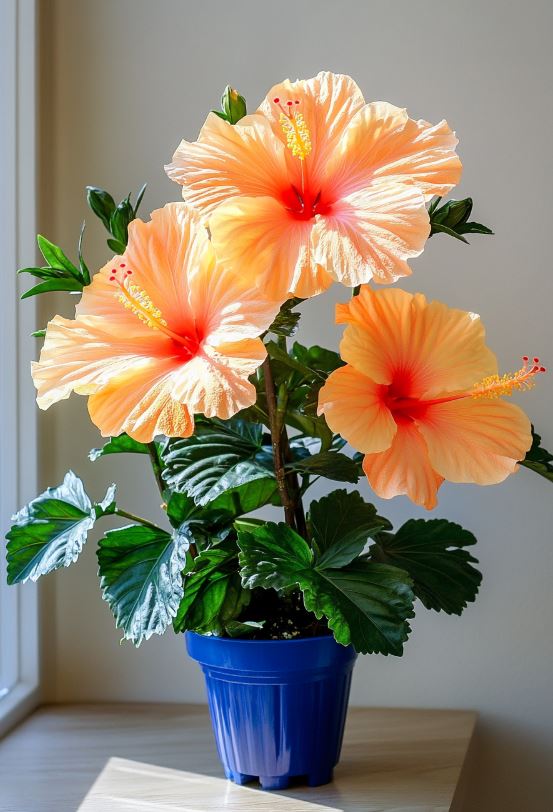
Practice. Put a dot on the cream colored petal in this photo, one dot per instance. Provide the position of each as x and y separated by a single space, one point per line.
382 141
85 354
141 405
404 468
476 440
371 234
353 407
215 384
328 102
263 243
228 160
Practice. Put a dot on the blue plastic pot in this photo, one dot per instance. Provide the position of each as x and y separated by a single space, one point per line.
278 707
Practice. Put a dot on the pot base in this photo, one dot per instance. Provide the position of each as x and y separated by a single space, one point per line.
275 782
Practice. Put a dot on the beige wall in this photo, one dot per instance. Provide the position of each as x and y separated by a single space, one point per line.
123 81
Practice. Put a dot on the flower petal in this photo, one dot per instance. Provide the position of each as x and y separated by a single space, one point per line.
382 141
404 468
259 239
245 158
370 234
353 407
436 348
142 406
216 384
476 440
84 354
327 102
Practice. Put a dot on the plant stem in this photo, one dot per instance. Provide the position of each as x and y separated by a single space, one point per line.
156 465
126 515
276 440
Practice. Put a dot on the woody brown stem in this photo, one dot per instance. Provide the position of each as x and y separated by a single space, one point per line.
287 482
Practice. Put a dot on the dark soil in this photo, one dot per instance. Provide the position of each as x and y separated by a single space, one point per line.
285 616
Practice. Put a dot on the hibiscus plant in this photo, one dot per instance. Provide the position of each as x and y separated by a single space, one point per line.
184 343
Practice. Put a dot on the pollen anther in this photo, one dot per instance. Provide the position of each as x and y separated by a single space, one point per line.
495 386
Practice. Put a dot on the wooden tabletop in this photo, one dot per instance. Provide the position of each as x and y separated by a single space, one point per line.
162 758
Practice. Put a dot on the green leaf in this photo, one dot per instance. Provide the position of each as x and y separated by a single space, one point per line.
220 456
452 219
116 246
237 628
101 203
438 228
54 284
141 578
287 320
84 272
473 228
538 459
317 358
55 257
44 273
233 105
432 552
118 445
119 221
39 333
50 531
329 464
365 603
139 197
341 524
213 595
278 354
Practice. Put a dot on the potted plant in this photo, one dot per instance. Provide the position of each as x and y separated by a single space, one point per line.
182 344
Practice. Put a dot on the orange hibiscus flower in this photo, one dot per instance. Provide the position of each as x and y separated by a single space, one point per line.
318 185
162 333
420 396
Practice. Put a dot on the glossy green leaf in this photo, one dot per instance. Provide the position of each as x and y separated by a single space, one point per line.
220 456
120 219
84 272
117 246
52 285
237 628
287 319
213 594
51 530
432 552
364 603
328 464
123 444
101 203
141 578
538 459
341 524
55 257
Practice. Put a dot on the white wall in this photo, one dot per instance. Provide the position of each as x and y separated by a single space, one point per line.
123 81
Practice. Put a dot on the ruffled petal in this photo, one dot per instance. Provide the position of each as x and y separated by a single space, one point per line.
404 468
85 354
370 234
259 239
142 406
382 141
476 440
227 160
353 407
328 102
215 384
434 348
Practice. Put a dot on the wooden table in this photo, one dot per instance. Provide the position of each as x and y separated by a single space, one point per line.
161 758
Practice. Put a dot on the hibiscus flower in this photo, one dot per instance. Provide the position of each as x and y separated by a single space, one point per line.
421 398
162 333
317 185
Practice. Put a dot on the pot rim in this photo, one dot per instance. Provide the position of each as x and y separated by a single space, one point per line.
247 641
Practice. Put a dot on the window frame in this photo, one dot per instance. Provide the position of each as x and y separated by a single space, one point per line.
19 644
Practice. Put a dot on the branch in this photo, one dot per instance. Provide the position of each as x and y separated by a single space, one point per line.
156 465
276 440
